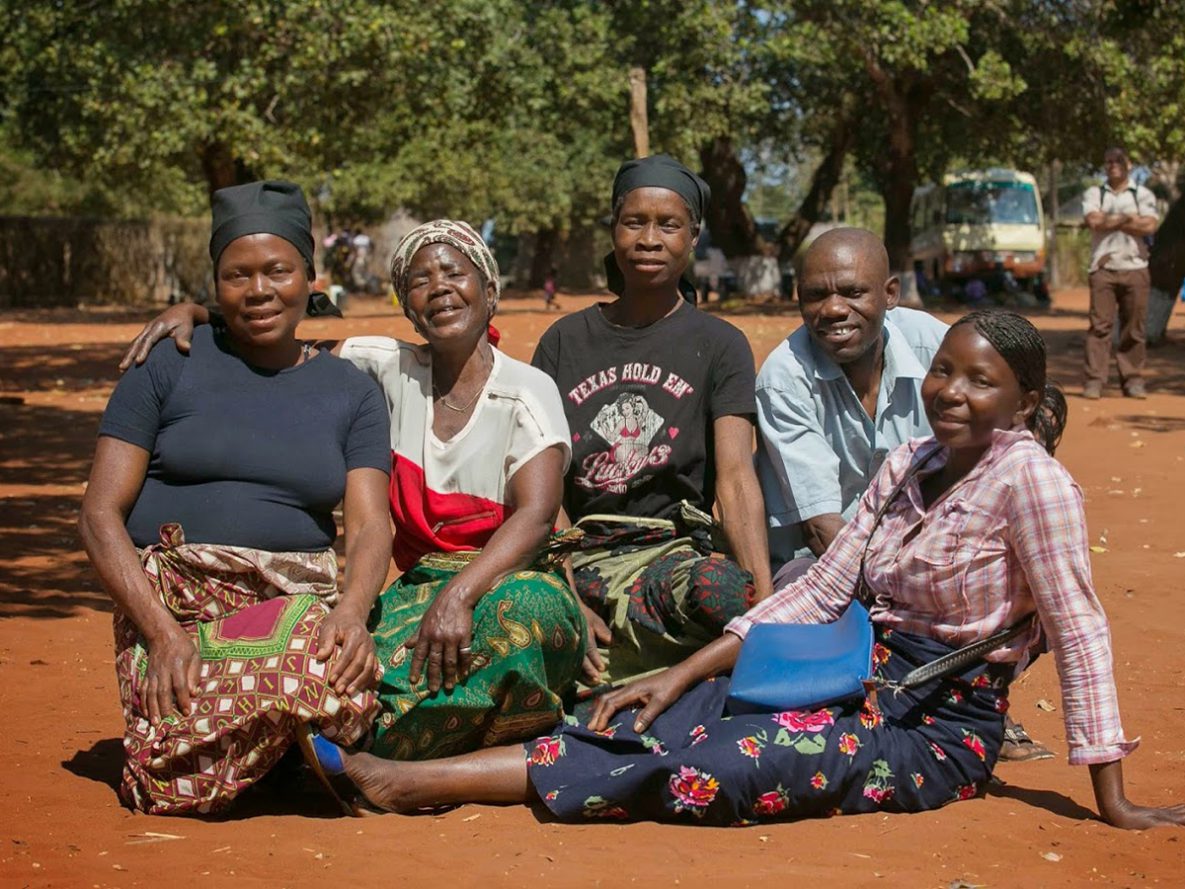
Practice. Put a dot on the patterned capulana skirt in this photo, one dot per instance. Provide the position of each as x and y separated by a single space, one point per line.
253 617
660 586
906 752
528 645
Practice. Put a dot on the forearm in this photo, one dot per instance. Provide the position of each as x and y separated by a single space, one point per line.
367 559
114 558
742 515
1139 227
513 547
718 657
818 531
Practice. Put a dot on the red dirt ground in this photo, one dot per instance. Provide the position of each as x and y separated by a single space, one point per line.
61 825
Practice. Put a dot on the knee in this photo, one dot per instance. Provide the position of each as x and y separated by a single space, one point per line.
532 599
720 590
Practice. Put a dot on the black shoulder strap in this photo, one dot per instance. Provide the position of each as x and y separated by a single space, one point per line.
956 661
862 593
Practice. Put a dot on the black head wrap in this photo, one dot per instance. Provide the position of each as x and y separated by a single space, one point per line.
658 171
274 208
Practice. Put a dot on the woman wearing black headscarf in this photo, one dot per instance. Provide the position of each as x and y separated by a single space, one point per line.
660 400
213 537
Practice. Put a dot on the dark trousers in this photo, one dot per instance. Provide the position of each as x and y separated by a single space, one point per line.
1124 293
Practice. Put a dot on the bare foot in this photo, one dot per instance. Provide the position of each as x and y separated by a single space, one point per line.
381 781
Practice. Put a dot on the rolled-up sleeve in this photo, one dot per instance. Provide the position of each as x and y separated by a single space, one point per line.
798 469
1048 529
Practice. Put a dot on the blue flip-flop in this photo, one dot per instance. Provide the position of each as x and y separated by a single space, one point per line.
325 759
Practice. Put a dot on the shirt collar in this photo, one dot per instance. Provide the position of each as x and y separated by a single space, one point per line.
1003 440
900 361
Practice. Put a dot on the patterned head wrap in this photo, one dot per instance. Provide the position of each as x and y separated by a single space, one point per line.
443 231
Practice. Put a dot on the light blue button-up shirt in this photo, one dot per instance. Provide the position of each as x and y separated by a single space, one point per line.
819 448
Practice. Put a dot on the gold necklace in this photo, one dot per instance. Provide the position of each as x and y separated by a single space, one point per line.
453 407
468 404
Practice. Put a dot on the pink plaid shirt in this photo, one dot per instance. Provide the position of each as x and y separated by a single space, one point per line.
1007 540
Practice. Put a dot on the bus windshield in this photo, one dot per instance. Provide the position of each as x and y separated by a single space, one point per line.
982 203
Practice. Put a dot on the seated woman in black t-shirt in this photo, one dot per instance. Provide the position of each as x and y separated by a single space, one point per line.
209 518
660 400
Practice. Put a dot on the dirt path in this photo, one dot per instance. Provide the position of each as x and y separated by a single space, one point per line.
61 825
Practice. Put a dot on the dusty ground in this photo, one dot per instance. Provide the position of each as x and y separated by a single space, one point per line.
61 825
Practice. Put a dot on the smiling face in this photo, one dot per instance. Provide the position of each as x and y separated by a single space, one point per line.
970 391
446 298
653 236
844 291
262 289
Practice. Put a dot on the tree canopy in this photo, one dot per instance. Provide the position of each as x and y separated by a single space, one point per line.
519 112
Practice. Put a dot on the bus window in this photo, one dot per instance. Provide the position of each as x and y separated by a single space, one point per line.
982 203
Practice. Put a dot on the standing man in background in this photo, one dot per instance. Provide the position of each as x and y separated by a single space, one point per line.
1120 216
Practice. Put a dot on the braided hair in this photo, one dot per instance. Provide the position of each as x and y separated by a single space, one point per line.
1023 349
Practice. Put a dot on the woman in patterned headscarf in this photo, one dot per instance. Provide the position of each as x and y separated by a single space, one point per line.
480 637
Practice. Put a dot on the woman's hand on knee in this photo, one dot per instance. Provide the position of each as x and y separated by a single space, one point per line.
443 642
171 682
356 665
655 694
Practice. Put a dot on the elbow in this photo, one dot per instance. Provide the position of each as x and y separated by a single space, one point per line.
531 528
86 525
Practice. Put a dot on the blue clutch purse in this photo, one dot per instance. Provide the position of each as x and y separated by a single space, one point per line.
803 666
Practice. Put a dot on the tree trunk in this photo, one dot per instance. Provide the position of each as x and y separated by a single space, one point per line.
1051 262
222 169
897 193
728 218
639 119
898 183
823 182
904 102
541 263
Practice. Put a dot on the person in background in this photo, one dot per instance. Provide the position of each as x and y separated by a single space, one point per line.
549 289
1120 216
1166 272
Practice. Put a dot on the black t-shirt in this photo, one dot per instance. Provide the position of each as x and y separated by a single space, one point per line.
640 403
243 456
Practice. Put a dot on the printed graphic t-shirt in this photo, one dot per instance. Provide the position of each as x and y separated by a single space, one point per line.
640 404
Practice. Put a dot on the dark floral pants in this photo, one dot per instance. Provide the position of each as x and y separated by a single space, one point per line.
907 751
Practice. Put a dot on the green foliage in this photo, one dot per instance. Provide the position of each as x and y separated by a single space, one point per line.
518 111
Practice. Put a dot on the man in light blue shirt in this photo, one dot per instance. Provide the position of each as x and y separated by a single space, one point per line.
839 393
835 397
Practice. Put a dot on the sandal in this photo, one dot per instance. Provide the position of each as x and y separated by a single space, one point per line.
1018 746
324 759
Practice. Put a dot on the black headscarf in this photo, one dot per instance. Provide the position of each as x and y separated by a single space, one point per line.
272 207
658 171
